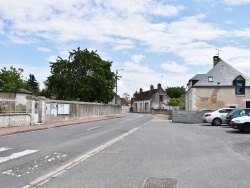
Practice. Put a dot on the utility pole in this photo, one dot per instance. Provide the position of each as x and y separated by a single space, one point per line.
116 78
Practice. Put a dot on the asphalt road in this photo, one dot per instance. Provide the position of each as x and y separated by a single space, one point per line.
129 152
26 157
192 155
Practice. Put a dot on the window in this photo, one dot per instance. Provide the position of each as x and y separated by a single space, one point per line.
223 111
240 88
210 79
160 98
146 106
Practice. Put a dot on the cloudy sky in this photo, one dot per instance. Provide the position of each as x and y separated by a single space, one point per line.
153 41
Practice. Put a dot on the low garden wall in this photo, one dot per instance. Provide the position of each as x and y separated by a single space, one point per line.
67 110
13 120
187 116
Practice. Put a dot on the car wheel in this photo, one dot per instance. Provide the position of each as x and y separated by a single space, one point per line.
246 128
217 121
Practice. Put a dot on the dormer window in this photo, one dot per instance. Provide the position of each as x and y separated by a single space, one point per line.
240 87
210 79
239 84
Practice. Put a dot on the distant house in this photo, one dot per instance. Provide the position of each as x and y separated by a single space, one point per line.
19 95
125 103
13 102
144 101
115 100
222 86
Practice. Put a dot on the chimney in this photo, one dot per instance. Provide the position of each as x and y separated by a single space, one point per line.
216 60
151 87
140 90
159 86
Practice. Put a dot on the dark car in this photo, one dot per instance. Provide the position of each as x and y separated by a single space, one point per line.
238 112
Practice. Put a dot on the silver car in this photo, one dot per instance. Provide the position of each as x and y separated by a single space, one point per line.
217 117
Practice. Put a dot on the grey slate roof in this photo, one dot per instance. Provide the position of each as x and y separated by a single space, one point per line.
146 95
223 75
21 90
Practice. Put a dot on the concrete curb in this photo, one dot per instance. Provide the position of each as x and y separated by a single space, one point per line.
14 130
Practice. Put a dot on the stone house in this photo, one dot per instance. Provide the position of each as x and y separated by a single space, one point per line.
14 101
19 96
125 103
144 101
116 100
222 86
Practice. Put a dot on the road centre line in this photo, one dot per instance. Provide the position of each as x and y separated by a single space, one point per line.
47 177
94 128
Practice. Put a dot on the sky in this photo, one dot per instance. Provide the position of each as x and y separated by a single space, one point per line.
148 41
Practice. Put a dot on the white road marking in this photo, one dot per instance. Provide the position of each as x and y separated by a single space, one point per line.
93 128
4 149
16 155
47 177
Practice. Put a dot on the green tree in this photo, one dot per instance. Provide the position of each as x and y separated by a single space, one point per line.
33 84
83 76
174 102
11 79
175 92
44 93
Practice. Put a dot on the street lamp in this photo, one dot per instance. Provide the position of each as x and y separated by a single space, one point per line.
116 78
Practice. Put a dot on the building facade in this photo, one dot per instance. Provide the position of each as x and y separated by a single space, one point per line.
223 86
144 101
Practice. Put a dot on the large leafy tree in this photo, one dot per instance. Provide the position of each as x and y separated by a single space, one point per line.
11 79
83 76
175 92
33 83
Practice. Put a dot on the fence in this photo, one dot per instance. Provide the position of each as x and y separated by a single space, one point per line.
12 106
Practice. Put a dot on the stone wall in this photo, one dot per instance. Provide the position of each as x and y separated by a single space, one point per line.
42 110
75 110
187 116
13 120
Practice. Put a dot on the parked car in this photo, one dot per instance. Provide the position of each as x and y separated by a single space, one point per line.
206 110
217 117
242 123
237 113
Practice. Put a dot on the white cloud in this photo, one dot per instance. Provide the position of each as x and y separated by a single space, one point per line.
137 58
85 20
242 33
236 2
174 67
52 58
1 27
42 49
123 47
137 68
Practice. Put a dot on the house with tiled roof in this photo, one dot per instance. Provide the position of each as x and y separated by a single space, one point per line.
223 86
125 103
144 101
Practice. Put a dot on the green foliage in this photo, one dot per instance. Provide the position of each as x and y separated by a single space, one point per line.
33 83
174 102
175 92
45 93
11 80
84 76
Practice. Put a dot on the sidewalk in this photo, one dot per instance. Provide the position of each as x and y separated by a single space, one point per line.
21 129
